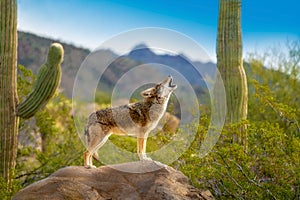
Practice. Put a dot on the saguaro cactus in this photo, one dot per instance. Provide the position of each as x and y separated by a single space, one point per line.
44 88
47 82
8 87
230 62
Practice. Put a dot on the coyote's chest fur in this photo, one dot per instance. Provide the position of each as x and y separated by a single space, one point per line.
135 119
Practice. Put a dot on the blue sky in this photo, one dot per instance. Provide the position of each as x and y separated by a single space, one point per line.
89 23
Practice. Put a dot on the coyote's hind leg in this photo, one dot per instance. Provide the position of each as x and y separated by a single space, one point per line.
96 138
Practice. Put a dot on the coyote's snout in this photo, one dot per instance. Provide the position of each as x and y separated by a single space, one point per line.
135 119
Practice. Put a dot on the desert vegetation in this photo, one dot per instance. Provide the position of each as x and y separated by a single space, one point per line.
267 169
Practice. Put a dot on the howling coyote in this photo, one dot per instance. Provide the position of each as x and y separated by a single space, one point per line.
134 119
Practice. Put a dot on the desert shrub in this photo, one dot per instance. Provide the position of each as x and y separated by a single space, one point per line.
60 145
268 167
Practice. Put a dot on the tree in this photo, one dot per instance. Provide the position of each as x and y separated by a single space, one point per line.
230 62
44 88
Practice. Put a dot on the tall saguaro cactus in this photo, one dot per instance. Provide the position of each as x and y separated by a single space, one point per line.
8 87
230 62
44 88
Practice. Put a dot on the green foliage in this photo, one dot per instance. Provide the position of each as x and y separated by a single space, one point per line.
7 194
269 168
25 80
276 87
102 97
287 114
60 145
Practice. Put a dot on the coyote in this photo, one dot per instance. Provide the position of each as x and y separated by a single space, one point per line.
134 119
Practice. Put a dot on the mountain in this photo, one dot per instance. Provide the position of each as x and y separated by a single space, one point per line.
194 72
32 52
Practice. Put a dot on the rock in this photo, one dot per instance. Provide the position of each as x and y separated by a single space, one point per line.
171 123
168 123
111 182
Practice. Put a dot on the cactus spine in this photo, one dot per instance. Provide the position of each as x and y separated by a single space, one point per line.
46 84
230 62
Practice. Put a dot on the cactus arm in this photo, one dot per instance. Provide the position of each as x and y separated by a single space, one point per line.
41 71
46 84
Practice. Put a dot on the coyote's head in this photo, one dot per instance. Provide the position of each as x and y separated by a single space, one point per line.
161 92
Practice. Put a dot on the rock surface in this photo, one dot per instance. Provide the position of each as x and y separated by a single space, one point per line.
112 182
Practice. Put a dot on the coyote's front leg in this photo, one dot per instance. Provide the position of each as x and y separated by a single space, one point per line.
141 148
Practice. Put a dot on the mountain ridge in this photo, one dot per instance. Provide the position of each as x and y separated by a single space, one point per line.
32 52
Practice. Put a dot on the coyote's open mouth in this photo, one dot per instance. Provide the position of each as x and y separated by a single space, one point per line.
171 82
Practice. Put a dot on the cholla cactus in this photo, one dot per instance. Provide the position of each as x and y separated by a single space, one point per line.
47 82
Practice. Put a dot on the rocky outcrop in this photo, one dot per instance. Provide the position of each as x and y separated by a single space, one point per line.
170 122
113 182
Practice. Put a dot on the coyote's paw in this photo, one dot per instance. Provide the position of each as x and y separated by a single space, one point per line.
90 166
146 158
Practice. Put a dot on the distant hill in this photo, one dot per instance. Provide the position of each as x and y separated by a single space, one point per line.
180 63
32 52
194 72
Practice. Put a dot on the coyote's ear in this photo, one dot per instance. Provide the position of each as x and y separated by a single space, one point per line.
148 93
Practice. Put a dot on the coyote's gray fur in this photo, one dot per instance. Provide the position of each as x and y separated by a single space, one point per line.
135 119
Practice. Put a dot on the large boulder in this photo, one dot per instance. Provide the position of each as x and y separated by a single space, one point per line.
114 182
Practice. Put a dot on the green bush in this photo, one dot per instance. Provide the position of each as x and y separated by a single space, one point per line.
60 146
268 167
